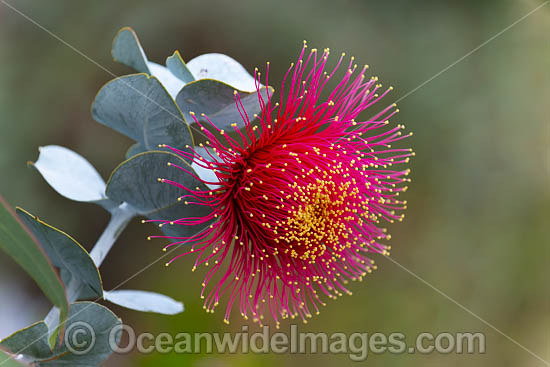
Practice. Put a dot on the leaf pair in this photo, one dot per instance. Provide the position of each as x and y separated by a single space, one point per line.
154 107
91 335
40 248
134 181
128 51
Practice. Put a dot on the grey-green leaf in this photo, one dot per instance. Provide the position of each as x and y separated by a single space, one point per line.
144 301
64 252
24 248
217 101
31 341
223 68
128 51
177 66
71 175
86 319
138 106
135 181
92 332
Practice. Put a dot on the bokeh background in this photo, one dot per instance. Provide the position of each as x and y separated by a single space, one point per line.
477 226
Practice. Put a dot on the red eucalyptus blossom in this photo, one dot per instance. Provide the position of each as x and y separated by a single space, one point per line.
299 198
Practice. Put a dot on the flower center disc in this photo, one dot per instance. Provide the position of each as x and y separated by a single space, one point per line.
319 223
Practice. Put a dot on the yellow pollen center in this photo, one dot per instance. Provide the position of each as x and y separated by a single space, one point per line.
319 218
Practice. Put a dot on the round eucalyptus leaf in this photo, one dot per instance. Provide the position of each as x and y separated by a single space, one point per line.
31 341
70 174
177 66
64 252
136 181
128 51
216 100
91 333
139 107
223 68
144 301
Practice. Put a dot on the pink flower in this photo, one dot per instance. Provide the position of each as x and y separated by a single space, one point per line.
300 198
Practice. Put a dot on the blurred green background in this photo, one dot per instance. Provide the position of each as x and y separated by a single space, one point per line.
479 204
